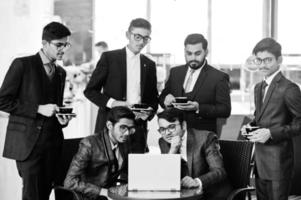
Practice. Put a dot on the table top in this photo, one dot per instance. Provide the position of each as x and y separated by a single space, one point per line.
121 192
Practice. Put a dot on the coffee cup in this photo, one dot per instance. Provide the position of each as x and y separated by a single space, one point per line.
251 129
181 99
65 110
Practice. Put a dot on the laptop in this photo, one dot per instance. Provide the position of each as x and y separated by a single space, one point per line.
160 172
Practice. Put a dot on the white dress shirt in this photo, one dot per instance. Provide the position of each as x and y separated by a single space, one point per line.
268 80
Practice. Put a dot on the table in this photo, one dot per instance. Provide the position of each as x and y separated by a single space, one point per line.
121 192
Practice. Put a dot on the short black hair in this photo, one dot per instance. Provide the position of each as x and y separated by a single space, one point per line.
196 38
270 45
140 23
55 30
119 112
172 115
101 44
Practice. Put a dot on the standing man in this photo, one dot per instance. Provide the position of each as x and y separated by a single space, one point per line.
125 77
207 88
31 92
102 158
200 150
278 114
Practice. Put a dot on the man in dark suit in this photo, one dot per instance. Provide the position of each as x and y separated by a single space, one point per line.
102 158
31 93
125 77
200 150
278 116
207 88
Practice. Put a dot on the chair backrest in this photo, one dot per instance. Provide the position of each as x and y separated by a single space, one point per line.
237 156
296 182
70 147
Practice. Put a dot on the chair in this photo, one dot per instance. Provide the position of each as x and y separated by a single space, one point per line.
70 147
237 156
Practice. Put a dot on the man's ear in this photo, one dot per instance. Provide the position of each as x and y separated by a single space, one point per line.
44 42
184 125
109 125
127 34
279 60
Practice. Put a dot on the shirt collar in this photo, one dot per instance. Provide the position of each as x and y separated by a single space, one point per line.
270 78
130 54
112 143
45 59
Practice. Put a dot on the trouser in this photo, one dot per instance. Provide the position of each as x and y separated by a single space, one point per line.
272 189
38 170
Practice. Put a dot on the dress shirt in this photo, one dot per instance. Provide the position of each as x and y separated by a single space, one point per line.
48 64
195 76
133 78
268 80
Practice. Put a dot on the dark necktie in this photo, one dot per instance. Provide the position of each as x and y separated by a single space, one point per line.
263 86
115 161
50 69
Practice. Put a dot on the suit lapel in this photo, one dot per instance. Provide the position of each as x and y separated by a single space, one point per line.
190 147
143 73
198 85
122 64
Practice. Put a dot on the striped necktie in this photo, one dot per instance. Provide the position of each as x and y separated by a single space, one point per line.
189 81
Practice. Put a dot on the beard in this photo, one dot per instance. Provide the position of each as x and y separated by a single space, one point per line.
195 64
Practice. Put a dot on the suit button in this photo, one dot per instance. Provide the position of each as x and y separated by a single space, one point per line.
123 99
39 127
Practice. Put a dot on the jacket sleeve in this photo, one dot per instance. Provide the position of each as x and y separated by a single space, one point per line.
10 90
166 90
217 172
96 83
77 169
292 100
222 105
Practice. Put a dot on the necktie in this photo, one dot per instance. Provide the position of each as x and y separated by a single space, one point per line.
263 86
189 81
115 160
50 69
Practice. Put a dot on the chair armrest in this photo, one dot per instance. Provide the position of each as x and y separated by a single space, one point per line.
234 193
61 193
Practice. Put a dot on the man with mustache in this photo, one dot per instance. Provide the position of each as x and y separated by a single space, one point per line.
31 92
124 77
278 116
206 88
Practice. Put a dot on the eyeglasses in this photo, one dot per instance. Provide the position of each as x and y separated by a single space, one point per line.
123 128
267 60
60 45
170 128
138 37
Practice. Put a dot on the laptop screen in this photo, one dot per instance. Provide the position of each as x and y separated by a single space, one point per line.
154 172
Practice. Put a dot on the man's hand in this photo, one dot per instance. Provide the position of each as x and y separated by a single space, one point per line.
175 144
169 99
104 192
243 129
189 182
260 135
47 110
63 119
143 114
189 106
120 103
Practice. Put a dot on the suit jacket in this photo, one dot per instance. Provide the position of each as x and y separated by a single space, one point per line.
281 113
21 93
109 81
91 168
204 161
211 91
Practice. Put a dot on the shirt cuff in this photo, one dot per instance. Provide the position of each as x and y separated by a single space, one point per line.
110 102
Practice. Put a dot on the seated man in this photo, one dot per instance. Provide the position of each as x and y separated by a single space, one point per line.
200 150
102 158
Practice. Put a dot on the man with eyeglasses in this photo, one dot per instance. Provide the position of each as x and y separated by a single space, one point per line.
278 119
200 149
206 88
31 93
125 77
102 158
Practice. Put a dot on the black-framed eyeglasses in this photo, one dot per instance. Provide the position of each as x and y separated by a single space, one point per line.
267 60
171 128
138 37
61 45
123 128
